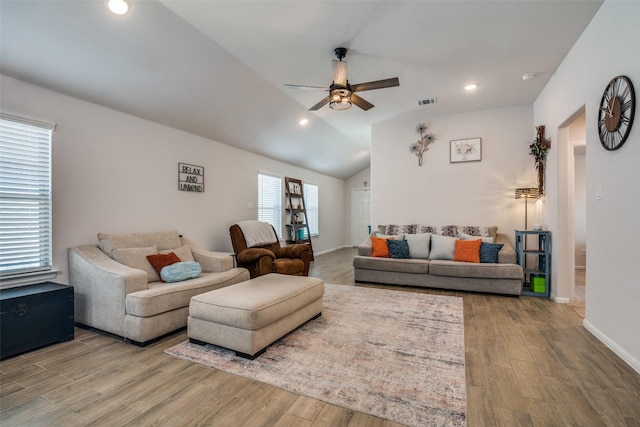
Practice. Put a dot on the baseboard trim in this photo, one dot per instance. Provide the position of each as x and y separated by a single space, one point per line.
560 300
622 353
331 250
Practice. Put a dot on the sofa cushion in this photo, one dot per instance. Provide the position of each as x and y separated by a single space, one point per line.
401 229
398 248
391 236
464 236
161 239
465 269
467 251
489 252
418 245
422 229
442 247
161 297
160 261
183 252
417 266
447 230
474 230
291 266
180 271
379 247
137 258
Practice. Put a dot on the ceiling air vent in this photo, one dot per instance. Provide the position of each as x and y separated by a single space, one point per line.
428 101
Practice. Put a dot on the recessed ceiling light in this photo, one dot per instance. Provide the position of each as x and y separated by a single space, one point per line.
119 7
471 86
528 76
303 122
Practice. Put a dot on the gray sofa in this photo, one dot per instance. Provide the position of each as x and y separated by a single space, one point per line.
503 277
116 289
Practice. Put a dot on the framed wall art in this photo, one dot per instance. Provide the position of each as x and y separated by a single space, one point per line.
466 150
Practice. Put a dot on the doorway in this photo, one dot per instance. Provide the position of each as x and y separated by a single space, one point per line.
580 226
572 136
360 215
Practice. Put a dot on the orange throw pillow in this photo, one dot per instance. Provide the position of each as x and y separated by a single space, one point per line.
159 261
467 250
379 247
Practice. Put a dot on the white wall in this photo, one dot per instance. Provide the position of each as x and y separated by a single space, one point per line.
607 48
442 193
114 172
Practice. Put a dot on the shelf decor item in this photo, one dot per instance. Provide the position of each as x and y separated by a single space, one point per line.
538 283
466 150
538 150
421 145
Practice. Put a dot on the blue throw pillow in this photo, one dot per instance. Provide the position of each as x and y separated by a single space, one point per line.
398 248
180 271
489 252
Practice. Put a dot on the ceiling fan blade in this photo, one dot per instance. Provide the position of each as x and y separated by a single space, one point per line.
360 102
378 84
303 87
339 72
320 104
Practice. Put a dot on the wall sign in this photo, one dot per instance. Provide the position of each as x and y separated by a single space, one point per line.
190 178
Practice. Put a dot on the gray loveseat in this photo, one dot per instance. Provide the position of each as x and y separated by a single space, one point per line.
502 277
118 291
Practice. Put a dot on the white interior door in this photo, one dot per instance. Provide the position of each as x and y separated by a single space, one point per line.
360 215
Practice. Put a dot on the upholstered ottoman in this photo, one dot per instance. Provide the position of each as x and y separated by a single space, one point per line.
248 316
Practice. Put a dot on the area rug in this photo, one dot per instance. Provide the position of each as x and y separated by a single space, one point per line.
394 354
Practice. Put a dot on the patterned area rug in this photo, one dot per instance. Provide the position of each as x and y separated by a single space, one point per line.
393 354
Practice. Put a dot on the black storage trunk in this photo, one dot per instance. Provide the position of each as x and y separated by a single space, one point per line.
34 316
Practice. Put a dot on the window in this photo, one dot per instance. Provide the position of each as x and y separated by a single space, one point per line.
311 204
270 200
25 195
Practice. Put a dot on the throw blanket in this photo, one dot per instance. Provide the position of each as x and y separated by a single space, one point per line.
257 233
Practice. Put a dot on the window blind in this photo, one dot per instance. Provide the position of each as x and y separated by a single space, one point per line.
270 200
25 196
311 204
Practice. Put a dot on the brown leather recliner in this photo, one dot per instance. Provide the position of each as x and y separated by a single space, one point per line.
272 258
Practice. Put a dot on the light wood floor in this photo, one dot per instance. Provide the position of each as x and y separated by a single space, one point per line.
529 362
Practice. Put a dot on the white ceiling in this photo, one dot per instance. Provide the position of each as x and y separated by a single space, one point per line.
217 68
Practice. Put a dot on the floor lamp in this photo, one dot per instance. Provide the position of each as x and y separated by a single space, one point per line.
526 194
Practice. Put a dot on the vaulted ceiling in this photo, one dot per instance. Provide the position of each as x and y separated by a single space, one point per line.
217 68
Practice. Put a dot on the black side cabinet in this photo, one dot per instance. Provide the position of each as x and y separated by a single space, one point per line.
35 316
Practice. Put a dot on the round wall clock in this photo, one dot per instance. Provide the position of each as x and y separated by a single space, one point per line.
617 108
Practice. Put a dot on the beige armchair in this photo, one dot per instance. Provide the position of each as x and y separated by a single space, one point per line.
117 291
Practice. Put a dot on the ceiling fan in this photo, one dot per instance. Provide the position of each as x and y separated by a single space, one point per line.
341 93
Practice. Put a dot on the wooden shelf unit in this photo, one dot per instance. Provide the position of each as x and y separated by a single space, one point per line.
539 263
296 213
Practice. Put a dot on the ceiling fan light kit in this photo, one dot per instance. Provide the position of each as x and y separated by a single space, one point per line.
340 99
341 93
